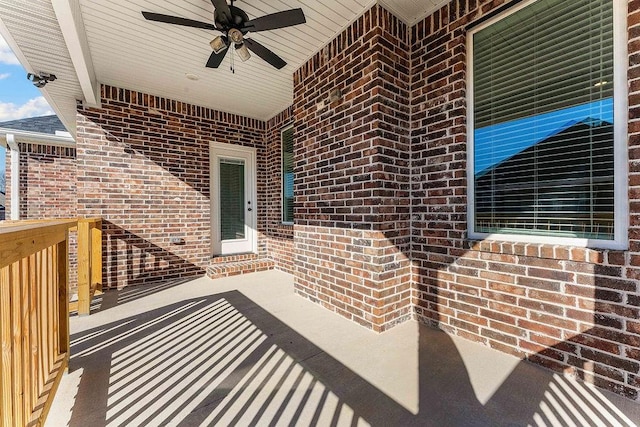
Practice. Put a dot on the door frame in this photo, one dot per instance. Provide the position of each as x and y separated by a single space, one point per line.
220 149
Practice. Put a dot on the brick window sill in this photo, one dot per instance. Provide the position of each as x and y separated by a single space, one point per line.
556 252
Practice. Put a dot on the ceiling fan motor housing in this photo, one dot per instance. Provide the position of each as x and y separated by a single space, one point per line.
239 17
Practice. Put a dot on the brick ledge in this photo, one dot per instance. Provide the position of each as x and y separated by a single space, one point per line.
541 250
218 269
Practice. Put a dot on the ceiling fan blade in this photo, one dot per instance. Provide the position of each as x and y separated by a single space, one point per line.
224 12
158 17
265 53
273 21
216 59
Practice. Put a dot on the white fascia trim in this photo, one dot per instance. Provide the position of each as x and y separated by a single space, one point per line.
9 135
69 17
15 176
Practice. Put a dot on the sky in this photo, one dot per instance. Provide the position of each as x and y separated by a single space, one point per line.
18 97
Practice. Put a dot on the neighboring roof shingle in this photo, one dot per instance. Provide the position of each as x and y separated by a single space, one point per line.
43 124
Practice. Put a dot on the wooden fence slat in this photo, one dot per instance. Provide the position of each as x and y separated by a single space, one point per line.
51 295
43 405
16 326
3 379
63 296
42 353
6 394
84 278
33 314
26 338
96 256
44 297
52 279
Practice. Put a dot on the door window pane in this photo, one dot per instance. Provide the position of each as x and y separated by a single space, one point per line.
232 199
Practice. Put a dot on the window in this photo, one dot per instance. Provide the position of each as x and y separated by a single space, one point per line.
287 175
546 124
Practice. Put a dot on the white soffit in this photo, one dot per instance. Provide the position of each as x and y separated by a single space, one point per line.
412 11
121 48
32 31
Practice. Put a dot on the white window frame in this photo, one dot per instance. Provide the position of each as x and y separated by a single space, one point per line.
282 218
621 164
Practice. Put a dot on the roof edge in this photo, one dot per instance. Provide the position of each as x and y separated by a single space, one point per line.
37 137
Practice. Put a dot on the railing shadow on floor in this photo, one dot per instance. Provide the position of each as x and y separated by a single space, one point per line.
114 297
142 266
223 360
132 260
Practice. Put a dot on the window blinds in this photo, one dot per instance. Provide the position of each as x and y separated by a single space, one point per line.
287 175
543 121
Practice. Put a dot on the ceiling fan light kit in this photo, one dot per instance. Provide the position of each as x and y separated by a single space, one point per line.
234 24
218 44
235 35
243 52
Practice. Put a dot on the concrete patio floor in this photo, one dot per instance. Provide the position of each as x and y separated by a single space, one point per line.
246 350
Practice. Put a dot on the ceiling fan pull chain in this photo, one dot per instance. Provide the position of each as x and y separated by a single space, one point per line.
232 60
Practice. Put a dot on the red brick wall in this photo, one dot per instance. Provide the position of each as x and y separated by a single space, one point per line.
47 188
47 182
143 166
569 309
279 236
351 238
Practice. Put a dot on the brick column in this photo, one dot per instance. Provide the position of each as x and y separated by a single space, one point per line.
352 211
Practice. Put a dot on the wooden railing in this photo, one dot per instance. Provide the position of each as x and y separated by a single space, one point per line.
34 318
89 262
34 309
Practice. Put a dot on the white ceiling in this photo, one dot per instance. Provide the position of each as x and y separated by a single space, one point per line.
127 51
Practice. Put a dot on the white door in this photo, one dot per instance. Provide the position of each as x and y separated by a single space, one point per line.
233 199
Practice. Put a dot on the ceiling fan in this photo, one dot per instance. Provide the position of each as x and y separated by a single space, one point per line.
234 24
